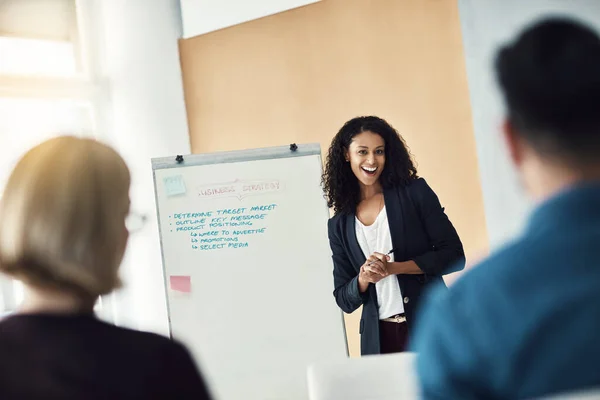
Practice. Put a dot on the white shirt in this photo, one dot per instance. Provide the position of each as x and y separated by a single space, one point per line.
377 238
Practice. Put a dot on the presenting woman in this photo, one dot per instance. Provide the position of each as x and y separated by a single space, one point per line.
389 236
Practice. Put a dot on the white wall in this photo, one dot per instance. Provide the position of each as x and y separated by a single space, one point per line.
137 57
202 16
485 25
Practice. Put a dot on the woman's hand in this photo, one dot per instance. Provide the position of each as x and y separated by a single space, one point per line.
380 260
372 271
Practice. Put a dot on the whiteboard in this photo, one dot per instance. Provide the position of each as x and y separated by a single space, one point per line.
247 268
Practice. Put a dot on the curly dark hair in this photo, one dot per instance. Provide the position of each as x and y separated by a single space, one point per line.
340 185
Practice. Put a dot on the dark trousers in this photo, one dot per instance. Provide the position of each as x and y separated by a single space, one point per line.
393 337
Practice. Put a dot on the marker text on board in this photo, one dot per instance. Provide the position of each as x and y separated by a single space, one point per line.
225 228
239 188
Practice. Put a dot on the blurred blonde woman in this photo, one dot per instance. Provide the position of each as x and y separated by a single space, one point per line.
63 233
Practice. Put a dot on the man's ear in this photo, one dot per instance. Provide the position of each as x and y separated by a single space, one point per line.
513 142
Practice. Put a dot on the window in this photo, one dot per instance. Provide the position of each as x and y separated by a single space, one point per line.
24 122
44 89
21 56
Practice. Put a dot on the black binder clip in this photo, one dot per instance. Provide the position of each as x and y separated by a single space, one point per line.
179 159
293 147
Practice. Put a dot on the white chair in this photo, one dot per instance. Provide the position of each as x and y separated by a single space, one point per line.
377 377
588 394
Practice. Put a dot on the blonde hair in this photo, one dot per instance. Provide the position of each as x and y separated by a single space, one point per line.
62 217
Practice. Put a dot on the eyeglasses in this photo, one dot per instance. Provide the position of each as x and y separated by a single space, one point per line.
134 222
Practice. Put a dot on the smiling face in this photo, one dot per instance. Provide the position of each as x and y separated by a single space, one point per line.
366 155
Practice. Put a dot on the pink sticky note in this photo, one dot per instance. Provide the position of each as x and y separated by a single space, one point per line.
181 283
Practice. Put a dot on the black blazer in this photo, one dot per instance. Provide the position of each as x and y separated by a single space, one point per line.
420 231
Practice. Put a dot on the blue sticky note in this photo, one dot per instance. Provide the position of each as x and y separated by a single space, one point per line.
174 185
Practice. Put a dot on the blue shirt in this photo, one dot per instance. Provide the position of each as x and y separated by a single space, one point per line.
525 322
